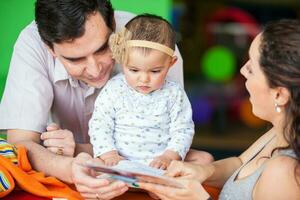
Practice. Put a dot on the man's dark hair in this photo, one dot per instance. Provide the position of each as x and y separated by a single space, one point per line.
61 20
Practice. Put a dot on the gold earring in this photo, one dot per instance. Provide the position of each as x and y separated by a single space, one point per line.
277 108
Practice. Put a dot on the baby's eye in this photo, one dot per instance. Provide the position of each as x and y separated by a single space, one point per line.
133 70
156 71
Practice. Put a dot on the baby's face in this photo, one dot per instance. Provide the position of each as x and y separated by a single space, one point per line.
146 73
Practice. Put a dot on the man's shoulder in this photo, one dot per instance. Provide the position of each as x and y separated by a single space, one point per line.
31 32
29 40
122 17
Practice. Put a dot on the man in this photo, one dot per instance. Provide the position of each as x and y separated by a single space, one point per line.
59 64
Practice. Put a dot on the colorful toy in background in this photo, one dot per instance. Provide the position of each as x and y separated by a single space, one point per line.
202 109
247 117
229 32
219 64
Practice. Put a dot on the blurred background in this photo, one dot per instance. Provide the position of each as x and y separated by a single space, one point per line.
213 38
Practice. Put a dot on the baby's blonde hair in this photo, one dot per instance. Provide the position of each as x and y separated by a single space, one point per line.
145 27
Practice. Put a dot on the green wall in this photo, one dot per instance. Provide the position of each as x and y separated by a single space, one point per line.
11 23
158 7
16 14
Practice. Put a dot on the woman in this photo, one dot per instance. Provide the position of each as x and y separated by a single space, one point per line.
269 169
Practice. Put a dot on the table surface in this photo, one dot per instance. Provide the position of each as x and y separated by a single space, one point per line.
22 195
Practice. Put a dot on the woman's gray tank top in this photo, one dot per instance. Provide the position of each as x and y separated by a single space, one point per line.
242 189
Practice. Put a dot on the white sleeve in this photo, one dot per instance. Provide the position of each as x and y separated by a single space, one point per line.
28 94
176 72
102 124
182 125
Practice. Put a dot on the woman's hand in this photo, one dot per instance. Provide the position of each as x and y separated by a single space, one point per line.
91 187
192 190
59 141
183 170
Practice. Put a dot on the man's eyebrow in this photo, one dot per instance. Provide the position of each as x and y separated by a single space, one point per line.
72 59
101 48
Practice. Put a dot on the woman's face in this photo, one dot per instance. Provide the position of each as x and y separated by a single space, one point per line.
261 95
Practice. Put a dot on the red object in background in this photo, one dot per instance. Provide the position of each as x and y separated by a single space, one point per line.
22 195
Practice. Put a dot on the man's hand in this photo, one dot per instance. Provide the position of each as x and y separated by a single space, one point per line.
111 158
164 160
59 141
88 185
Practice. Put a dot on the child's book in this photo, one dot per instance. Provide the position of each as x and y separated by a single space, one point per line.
133 172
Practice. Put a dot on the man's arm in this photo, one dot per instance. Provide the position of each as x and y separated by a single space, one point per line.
40 158
67 169
56 138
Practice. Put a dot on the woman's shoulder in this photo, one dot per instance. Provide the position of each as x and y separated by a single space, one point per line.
256 146
279 180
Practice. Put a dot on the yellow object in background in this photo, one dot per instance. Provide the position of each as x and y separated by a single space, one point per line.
247 116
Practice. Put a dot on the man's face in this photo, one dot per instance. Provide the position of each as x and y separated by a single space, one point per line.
88 58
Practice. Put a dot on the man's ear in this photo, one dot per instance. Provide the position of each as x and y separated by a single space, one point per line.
51 50
173 61
282 96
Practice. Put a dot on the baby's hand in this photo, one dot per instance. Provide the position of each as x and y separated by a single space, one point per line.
164 160
111 158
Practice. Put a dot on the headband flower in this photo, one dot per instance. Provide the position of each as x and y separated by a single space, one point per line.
117 44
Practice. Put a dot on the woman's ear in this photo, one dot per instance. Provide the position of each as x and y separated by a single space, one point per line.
282 96
173 61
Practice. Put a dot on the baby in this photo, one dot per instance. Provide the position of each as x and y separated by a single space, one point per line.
140 115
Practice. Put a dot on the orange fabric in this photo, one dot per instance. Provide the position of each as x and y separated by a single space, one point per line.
35 182
213 192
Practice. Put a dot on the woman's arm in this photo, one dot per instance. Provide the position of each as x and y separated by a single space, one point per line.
214 174
223 169
220 171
